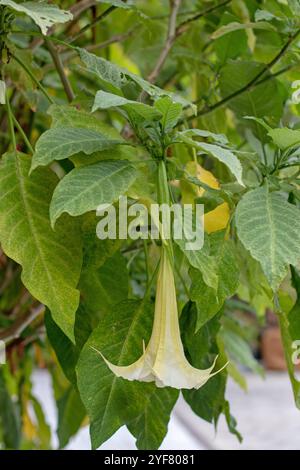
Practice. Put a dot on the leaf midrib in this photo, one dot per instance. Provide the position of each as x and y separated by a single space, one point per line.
31 222
92 187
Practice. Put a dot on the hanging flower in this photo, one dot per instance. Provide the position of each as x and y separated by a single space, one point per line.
163 361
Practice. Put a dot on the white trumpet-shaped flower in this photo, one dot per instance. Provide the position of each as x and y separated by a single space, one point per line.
163 360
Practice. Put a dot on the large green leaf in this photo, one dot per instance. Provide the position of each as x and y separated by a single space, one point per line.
262 100
63 142
233 44
151 426
104 286
85 188
209 401
209 301
51 261
269 227
66 351
118 77
70 116
111 401
42 13
71 413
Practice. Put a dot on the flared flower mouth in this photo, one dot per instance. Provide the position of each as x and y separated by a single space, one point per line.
163 360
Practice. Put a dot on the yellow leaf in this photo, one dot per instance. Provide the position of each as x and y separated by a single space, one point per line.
214 220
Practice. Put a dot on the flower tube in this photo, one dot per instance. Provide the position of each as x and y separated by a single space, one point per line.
163 360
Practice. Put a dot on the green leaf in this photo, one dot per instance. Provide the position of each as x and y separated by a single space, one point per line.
63 142
129 5
209 301
264 227
290 331
224 155
51 261
233 44
294 314
71 413
220 138
107 285
104 100
231 421
237 347
209 401
265 15
42 13
69 116
66 351
170 111
118 77
10 426
96 251
151 426
262 100
119 3
43 428
284 137
111 401
201 260
289 354
235 26
85 188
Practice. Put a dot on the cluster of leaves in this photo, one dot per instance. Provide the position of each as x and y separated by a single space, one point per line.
81 127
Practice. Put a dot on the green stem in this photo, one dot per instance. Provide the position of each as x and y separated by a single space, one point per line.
288 351
33 78
163 197
20 129
10 120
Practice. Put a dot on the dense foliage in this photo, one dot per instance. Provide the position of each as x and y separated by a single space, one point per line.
182 100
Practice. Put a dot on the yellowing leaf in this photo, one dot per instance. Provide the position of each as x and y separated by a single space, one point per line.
216 219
